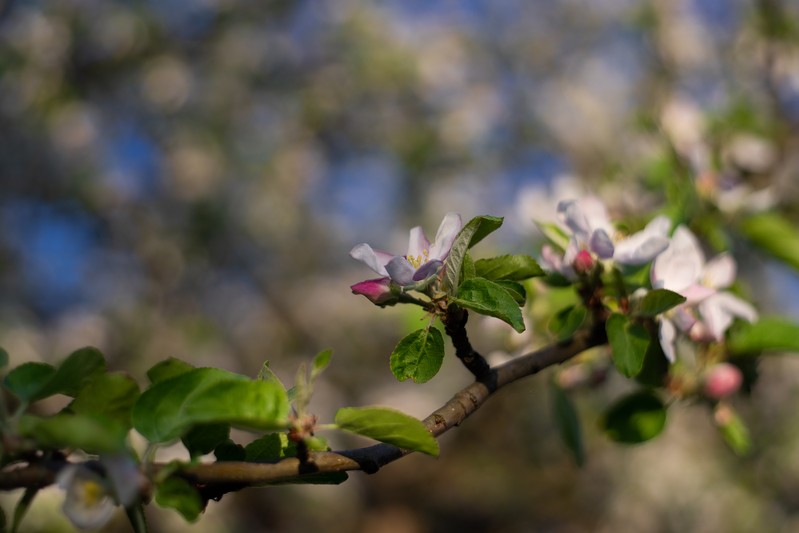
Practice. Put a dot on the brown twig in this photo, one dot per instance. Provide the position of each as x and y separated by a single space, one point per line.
226 476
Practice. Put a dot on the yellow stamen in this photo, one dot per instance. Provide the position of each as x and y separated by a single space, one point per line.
92 492
418 260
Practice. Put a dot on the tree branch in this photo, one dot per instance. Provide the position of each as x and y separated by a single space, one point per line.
215 479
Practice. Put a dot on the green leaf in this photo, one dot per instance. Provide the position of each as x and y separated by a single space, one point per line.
166 369
489 298
565 323
204 438
510 267
3 361
26 380
472 233
208 395
655 367
629 342
732 429
389 426
178 494
635 418
568 422
775 235
467 267
320 362
778 334
111 395
658 301
89 432
34 381
515 289
267 448
230 451
554 233
74 372
418 355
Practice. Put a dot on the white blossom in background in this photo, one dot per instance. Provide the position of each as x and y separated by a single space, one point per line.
589 229
708 311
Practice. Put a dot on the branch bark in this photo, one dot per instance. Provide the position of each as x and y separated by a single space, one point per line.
216 479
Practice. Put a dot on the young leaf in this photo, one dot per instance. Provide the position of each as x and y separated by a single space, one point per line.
208 395
176 493
554 233
74 372
91 433
389 426
658 301
320 362
267 374
775 235
489 298
635 418
629 342
566 322
732 429
166 369
510 267
472 233
204 438
567 421
467 267
230 451
267 448
418 355
111 395
26 380
765 334
34 381
516 291
655 367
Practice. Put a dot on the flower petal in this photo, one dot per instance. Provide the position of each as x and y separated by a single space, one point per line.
642 247
418 245
428 269
680 265
401 271
601 244
374 259
571 214
719 310
667 335
445 236
719 272
378 290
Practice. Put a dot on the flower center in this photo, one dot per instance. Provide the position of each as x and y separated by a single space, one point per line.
92 492
418 260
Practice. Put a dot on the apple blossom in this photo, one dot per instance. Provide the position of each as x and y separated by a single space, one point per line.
423 259
682 268
592 232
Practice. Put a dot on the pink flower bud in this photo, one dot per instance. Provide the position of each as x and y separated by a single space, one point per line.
583 262
722 380
378 291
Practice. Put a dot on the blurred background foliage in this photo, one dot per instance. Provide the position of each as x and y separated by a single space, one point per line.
186 178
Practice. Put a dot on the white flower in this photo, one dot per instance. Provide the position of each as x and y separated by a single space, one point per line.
424 259
682 269
88 503
592 231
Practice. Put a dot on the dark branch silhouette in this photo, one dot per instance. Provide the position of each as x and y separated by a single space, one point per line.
216 479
